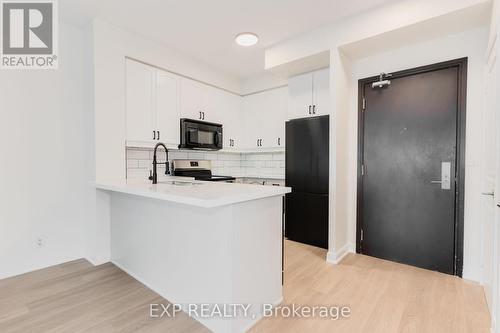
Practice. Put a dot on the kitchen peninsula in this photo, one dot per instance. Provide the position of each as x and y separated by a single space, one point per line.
196 242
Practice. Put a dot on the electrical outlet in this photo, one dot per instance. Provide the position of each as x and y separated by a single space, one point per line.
40 242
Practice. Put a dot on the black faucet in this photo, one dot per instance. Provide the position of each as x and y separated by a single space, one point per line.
154 176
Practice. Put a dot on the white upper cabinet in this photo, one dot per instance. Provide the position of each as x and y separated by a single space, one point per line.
253 117
321 92
140 81
264 119
167 108
275 112
193 99
152 106
230 116
300 96
309 94
200 101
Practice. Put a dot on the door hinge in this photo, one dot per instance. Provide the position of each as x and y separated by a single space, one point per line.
364 104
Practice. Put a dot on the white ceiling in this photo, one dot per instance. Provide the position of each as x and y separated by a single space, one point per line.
205 29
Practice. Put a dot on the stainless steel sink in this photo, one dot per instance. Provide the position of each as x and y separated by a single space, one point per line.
179 183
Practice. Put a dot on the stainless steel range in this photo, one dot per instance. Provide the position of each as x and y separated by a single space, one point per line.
199 169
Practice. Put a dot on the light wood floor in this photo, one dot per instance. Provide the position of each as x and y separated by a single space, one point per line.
383 296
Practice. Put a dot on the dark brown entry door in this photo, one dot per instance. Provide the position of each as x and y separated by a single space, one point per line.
409 148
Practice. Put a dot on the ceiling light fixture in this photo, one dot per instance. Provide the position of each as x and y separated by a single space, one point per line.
246 39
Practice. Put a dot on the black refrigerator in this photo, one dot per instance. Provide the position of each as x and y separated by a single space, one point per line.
307 173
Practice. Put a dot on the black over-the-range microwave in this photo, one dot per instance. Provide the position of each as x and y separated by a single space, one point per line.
201 135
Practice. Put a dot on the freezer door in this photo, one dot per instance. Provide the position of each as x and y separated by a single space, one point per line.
306 218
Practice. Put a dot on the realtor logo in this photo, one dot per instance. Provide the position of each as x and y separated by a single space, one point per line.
29 37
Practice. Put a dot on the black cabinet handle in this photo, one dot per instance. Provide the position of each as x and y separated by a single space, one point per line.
314 109
158 135
309 109
154 135
203 115
279 141
200 115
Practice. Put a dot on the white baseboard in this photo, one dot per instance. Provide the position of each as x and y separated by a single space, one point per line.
98 261
472 273
336 257
258 318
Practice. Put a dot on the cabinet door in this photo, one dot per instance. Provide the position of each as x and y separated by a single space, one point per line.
192 101
215 102
230 116
253 106
167 108
140 81
273 117
321 92
300 96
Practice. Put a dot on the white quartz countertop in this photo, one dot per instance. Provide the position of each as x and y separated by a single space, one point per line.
195 193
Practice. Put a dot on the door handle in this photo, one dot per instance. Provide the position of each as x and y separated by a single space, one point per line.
158 135
154 135
445 176
314 109
203 114
309 109
490 194
200 115
279 141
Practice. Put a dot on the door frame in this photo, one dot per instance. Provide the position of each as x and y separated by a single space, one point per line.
461 64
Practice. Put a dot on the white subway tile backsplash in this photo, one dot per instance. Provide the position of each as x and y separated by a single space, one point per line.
139 162
196 155
211 156
279 156
137 173
132 164
179 155
137 154
147 164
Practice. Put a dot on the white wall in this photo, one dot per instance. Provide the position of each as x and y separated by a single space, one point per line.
471 44
383 19
262 82
44 178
